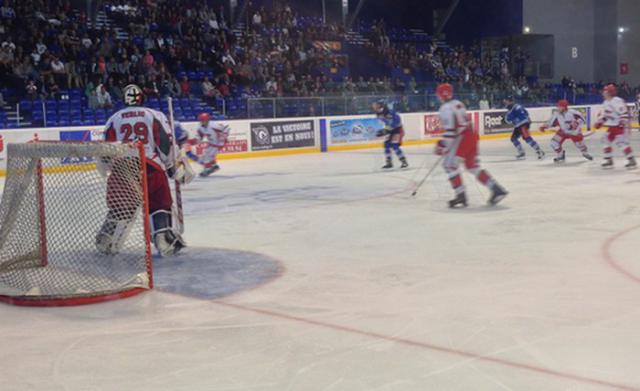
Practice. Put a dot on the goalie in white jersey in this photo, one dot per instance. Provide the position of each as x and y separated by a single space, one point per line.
570 122
617 120
214 135
150 128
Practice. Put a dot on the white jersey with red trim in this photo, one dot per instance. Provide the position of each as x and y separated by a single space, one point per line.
150 127
214 133
570 122
615 113
453 118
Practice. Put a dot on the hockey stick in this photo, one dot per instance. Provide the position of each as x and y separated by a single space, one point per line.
428 174
179 214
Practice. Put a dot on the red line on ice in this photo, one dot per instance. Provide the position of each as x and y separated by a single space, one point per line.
606 254
432 347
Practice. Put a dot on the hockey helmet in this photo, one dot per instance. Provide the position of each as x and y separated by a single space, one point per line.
610 90
563 104
204 117
444 91
379 105
133 95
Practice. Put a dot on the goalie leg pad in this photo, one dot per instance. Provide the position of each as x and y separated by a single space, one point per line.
114 232
166 239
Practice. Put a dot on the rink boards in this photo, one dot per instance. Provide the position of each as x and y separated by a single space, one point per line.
286 136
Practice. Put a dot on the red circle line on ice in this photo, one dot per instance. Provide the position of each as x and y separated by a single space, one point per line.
611 261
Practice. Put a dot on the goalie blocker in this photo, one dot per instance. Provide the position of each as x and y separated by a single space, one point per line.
150 128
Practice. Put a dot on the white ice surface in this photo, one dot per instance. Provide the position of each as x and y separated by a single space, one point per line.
380 291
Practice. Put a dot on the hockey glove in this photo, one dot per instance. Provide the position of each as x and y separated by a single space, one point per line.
182 172
575 125
442 148
598 124
383 132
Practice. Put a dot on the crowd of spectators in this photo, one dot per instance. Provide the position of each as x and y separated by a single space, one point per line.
47 47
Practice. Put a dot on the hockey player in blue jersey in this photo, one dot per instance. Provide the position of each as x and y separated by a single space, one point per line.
393 132
518 116
182 137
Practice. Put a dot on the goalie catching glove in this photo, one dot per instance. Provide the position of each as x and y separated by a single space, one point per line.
181 172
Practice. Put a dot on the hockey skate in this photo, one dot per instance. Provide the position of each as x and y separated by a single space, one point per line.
608 163
521 155
541 154
209 170
632 164
587 156
388 165
560 158
404 162
497 195
460 200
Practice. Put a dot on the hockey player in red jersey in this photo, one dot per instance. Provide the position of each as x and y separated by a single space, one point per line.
570 122
617 120
214 135
151 128
460 142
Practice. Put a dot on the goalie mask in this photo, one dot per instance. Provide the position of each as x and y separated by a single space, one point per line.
133 95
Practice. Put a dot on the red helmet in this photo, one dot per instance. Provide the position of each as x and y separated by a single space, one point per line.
444 91
611 90
204 117
563 104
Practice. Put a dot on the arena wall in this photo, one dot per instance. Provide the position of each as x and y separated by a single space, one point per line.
286 136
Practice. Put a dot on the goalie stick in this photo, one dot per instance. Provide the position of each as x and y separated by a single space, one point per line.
178 210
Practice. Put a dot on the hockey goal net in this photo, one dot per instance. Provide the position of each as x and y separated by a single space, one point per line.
54 204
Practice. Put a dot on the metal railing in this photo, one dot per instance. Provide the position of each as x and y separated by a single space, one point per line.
36 113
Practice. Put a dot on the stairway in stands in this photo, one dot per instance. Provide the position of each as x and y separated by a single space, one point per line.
104 22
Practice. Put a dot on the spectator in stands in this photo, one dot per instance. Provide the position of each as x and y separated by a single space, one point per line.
256 20
484 103
185 87
53 89
208 89
103 98
148 61
31 90
115 89
151 87
59 71
73 78
7 11
92 101
2 101
89 89
171 87
6 56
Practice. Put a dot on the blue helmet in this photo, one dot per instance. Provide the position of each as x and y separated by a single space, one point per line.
380 105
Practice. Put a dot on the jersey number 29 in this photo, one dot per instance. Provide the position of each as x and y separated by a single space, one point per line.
139 131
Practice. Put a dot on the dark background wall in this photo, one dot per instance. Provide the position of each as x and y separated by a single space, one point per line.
410 13
628 43
572 23
474 19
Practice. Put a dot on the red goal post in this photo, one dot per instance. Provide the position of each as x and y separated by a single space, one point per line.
55 202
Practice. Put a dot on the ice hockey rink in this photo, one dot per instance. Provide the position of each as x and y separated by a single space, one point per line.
319 272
